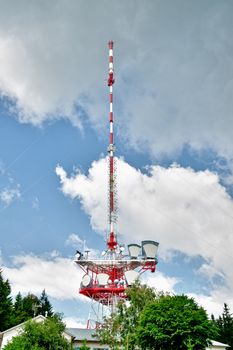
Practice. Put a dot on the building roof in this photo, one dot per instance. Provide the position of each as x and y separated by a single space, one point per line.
38 318
217 343
82 333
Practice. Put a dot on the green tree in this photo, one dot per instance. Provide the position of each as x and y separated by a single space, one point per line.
6 305
120 328
31 305
45 335
174 322
84 345
45 308
18 310
224 325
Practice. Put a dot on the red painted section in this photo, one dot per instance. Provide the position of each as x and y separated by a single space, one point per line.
110 98
112 244
111 138
111 163
110 79
110 58
110 45
111 116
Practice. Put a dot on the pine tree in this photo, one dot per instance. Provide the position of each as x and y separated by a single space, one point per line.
18 311
225 327
6 304
31 305
45 305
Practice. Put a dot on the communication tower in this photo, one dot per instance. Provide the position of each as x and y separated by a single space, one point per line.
105 280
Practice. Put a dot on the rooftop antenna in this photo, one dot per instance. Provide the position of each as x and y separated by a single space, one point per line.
106 279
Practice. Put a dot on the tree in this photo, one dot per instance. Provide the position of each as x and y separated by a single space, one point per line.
225 327
18 310
45 308
6 305
31 305
84 345
41 336
174 322
120 328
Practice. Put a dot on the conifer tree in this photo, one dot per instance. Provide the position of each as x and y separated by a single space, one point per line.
45 305
6 304
31 305
225 327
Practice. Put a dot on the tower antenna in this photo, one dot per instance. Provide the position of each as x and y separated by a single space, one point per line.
105 280
112 238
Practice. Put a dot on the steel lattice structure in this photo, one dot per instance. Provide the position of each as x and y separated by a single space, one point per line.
105 280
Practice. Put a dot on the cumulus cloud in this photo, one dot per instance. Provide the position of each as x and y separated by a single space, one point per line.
74 322
184 210
161 282
9 195
74 241
173 65
57 275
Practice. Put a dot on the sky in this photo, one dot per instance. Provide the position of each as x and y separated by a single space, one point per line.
173 110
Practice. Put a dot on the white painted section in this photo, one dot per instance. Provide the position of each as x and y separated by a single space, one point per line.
110 89
110 52
110 65
110 106
111 127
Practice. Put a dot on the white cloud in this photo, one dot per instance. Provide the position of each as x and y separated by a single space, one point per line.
74 241
9 195
184 210
173 66
57 275
160 282
36 203
74 322
213 303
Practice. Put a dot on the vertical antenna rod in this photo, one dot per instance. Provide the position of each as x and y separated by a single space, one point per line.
112 241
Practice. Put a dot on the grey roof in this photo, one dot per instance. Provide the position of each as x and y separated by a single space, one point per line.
82 333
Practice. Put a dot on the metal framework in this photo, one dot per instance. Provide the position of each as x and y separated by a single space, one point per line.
105 281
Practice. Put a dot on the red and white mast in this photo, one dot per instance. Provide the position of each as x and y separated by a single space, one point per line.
105 280
112 239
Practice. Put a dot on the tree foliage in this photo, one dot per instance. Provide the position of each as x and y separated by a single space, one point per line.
151 320
174 322
224 324
6 305
23 308
41 336
45 308
119 329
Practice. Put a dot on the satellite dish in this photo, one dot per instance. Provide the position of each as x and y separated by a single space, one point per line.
103 252
86 281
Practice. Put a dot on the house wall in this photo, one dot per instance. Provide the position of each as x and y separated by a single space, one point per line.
92 345
9 335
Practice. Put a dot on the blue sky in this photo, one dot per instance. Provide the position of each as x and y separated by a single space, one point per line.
173 122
